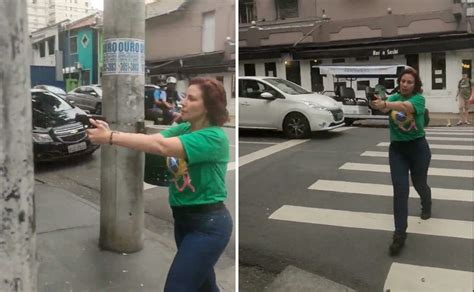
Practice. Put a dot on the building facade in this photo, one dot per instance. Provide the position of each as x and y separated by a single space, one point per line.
187 39
290 39
43 13
37 11
59 10
81 44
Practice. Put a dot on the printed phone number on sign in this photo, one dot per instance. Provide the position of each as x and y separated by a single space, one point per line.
123 67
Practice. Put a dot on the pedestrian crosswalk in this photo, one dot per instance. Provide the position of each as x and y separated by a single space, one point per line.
449 146
427 279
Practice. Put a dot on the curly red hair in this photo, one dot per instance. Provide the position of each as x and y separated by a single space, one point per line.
214 97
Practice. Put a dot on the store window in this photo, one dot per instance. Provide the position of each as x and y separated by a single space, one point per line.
293 73
249 70
316 77
270 69
286 9
246 11
438 70
412 61
467 68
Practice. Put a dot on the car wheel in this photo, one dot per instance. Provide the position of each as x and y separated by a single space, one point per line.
296 126
98 109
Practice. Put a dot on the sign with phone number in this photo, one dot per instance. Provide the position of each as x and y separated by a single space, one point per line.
124 56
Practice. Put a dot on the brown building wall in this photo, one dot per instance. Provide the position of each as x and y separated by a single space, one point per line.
180 33
352 20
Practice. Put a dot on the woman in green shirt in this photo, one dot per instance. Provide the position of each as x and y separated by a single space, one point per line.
197 154
409 152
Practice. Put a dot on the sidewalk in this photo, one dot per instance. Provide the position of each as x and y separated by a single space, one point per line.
70 260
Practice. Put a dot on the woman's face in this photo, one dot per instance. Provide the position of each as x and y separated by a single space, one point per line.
407 84
193 105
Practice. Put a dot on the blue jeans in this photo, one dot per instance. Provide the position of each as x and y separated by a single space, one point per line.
200 238
414 157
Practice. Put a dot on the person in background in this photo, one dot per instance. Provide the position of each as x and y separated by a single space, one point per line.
463 95
153 109
409 152
197 154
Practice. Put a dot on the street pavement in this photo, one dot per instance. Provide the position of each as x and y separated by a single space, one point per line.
67 203
324 206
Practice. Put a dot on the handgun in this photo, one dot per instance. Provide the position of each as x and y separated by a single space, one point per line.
84 119
371 94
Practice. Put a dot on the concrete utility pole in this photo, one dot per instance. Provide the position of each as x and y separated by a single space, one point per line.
121 204
18 266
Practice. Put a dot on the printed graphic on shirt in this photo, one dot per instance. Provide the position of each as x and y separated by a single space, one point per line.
179 169
404 121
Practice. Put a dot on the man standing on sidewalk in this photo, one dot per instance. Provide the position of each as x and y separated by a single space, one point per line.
464 92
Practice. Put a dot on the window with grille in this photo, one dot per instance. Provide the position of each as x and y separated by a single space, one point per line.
246 11
286 8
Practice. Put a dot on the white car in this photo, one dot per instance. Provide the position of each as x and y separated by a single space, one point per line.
275 103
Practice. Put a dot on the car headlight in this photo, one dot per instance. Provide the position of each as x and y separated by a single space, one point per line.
42 138
315 106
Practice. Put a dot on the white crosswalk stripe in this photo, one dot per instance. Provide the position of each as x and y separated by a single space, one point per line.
387 190
461 158
405 277
468 173
438 146
434 138
451 133
373 221
463 129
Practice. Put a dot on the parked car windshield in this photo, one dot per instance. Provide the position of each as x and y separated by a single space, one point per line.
47 102
286 86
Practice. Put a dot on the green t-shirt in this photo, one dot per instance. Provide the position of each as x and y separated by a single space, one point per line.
207 155
407 127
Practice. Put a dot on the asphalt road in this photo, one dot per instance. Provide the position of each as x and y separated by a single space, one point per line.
81 176
274 231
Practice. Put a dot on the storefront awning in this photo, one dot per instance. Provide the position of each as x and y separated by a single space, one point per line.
360 70
413 45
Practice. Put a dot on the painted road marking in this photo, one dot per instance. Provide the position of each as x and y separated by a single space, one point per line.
438 146
269 151
387 190
463 129
404 277
256 142
468 173
432 138
461 158
373 221
148 186
451 133
342 129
